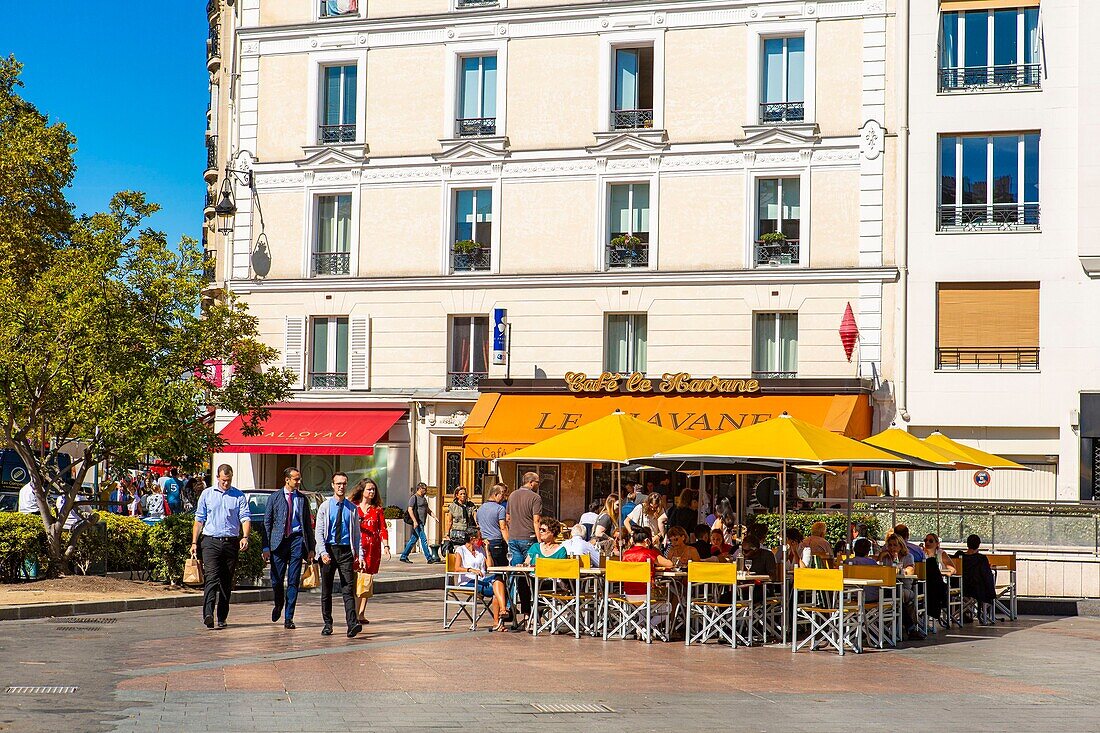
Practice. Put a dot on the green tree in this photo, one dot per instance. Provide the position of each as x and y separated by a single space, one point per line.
103 344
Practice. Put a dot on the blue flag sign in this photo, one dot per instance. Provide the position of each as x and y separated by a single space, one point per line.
500 336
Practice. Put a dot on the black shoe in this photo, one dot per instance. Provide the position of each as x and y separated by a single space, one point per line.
327 631
209 621
354 630
221 625
276 613
434 562
289 625
404 559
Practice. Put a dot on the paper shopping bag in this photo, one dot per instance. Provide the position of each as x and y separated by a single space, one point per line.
364 585
192 572
311 577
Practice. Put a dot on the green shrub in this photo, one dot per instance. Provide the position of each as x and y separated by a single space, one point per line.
393 512
835 524
22 537
169 544
124 544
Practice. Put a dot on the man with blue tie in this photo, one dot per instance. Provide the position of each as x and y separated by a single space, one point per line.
337 541
288 537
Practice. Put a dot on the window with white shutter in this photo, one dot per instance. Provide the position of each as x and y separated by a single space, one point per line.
294 349
359 357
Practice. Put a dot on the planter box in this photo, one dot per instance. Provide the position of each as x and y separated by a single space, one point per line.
399 535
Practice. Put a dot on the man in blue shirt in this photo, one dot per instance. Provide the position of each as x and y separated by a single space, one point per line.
915 550
222 523
288 539
337 537
492 522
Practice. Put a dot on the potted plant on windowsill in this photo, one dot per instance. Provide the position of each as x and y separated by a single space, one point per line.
773 246
624 243
466 247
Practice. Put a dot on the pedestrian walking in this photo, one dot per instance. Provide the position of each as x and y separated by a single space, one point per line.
222 523
173 491
287 541
337 538
524 514
416 515
373 538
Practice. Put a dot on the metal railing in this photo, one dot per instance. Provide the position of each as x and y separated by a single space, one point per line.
631 119
776 253
775 112
624 257
773 375
213 42
1006 76
331 134
210 265
328 10
1008 217
991 359
212 7
332 263
211 152
465 380
328 380
476 260
476 126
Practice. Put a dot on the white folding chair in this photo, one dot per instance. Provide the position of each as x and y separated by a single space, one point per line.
729 621
464 600
829 611
561 601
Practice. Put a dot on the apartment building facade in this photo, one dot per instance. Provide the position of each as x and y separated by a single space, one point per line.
626 187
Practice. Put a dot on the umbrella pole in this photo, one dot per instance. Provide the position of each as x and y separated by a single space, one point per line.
894 501
618 471
937 503
783 546
848 525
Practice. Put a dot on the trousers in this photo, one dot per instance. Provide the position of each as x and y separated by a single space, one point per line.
341 562
219 564
286 565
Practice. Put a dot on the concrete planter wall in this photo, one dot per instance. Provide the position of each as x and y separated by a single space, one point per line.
399 534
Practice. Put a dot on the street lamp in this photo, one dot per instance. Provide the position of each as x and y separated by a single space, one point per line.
226 207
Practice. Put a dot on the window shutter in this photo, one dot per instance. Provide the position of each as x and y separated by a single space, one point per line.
987 315
294 350
359 352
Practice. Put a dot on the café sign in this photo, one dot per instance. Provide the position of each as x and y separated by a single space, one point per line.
669 383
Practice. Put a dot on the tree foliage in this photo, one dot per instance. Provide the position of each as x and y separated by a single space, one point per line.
102 339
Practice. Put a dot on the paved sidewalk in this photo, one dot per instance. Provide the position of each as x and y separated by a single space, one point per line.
163 671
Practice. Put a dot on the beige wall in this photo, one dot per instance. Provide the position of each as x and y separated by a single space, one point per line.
553 92
282 108
397 8
704 86
701 223
285 228
399 231
834 218
839 76
405 100
548 226
280 12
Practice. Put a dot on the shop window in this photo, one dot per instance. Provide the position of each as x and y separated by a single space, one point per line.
549 485
989 183
625 343
329 354
987 327
775 345
469 357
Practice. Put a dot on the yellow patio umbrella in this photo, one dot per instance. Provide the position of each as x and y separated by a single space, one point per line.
978 458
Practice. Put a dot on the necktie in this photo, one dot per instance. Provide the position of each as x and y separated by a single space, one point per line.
289 513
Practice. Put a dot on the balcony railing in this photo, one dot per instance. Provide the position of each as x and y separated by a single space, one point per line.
332 263
210 265
476 126
772 113
626 257
988 217
328 380
475 3
332 134
477 260
756 374
332 9
465 380
777 253
988 359
1007 76
211 152
213 43
212 7
631 119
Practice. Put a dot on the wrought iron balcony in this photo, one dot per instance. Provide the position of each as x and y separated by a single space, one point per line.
332 263
211 172
332 134
756 374
328 380
213 48
209 203
631 119
476 126
475 3
477 260
213 7
988 359
210 265
988 217
465 380
1006 76
777 253
772 113
626 257
331 9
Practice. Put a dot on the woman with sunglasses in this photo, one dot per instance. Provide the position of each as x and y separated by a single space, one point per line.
547 545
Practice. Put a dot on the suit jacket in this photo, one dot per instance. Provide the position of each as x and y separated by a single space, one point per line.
326 513
275 519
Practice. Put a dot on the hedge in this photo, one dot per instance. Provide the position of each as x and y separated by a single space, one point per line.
124 544
22 537
836 524
170 544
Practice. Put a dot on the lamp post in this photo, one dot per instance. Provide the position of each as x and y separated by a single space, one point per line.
226 207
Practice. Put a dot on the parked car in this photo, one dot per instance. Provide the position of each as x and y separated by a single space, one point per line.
257 502
9 501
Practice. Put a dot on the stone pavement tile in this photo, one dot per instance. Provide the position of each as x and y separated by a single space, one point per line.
252 677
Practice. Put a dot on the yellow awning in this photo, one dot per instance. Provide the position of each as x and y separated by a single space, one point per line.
952 5
616 438
896 440
977 457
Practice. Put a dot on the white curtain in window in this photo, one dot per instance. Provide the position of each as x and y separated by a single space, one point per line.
617 347
765 349
788 342
639 343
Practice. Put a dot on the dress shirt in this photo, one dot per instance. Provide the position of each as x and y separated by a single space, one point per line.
577 546
339 518
222 512
294 521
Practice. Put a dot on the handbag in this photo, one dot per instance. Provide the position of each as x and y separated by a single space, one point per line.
364 585
192 572
311 577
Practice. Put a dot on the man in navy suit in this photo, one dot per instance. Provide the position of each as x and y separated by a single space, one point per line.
288 538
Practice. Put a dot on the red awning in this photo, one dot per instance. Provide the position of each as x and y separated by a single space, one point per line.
314 431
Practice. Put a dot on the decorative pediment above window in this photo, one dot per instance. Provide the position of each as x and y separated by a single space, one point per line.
779 138
327 156
464 150
636 142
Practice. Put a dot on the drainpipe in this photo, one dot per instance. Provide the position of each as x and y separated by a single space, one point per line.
901 237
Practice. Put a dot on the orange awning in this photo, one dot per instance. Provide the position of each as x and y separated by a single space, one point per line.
502 423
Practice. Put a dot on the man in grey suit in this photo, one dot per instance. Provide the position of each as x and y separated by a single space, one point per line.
288 538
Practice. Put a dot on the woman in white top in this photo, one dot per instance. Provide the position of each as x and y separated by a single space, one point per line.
471 563
155 505
649 515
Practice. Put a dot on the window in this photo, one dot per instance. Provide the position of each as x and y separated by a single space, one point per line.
775 345
338 105
987 326
778 221
628 243
328 367
633 94
469 360
782 84
989 183
337 8
625 346
332 248
549 485
983 49
471 250
477 103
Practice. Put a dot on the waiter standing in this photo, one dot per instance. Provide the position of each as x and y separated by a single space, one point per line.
222 523
337 541
287 540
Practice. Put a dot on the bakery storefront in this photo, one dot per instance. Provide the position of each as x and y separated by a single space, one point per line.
511 414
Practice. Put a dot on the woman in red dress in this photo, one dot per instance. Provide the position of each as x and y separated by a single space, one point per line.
374 538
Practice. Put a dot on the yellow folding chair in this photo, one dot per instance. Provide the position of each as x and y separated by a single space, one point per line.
1004 602
561 599
882 618
825 611
621 614
730 621
464 600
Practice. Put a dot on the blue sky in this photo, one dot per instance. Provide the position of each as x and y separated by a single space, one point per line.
129 80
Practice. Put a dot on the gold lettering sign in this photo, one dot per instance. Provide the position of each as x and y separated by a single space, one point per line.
669 383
